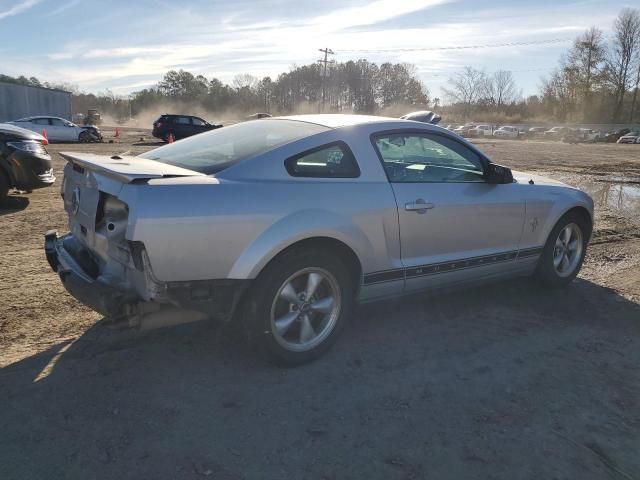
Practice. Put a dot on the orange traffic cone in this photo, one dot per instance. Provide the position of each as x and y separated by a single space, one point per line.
117 132
46 139
170 138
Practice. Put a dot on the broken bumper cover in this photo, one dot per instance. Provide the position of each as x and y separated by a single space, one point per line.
79 274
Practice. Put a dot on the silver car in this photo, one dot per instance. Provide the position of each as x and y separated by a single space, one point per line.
284 223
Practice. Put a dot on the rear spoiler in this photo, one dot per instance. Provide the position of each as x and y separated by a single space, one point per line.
127 168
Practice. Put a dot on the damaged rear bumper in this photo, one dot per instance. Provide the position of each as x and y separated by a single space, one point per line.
80 275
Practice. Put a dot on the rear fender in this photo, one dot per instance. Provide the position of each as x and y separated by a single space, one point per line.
286 232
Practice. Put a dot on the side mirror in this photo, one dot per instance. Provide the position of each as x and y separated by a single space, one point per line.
497 174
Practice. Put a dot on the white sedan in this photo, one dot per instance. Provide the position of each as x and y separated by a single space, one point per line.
60 130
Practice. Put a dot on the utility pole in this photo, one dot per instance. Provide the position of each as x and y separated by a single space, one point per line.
323 73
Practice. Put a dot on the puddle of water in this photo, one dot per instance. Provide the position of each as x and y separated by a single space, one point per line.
622 197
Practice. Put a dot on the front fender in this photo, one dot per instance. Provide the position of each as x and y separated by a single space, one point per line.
569 199
287 231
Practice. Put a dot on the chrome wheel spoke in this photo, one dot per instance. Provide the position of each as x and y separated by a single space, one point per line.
313 280
284 323
306 330
566 235
573 245
564 263
557 260
289 294
323 305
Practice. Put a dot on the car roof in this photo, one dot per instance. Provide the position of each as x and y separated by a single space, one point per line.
36 117
335 120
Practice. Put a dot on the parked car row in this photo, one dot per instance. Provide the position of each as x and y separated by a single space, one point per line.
558 133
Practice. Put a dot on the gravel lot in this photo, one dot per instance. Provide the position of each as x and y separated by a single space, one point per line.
506 381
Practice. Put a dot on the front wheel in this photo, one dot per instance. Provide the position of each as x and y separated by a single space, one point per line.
300 304
85 137
564 251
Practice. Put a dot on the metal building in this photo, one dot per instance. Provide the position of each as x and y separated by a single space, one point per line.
18 101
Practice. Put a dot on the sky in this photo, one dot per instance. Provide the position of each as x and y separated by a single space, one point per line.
125 46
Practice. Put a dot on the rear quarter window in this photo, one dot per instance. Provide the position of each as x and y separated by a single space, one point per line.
334 160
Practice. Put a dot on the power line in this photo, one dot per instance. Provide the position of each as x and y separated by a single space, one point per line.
463 47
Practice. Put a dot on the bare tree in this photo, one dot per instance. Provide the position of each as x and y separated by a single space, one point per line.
626 42
635 90
243 80
500 89
587 58
466 87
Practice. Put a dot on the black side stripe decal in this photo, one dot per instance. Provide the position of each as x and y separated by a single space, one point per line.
445 267
530 252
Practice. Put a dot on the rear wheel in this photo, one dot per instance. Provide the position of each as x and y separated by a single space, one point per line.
564 251
300 304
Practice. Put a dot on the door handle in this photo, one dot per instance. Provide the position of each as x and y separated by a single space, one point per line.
419 206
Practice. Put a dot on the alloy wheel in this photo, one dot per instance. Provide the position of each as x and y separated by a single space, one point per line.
305 309
567 251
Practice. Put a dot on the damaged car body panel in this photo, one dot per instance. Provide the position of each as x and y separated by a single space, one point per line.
100 262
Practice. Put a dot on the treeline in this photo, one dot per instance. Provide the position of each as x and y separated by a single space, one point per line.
597 81
360 86
354 86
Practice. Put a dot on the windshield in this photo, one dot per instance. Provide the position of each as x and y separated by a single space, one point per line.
213 151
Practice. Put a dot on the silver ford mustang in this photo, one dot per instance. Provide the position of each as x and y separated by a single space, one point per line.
284 223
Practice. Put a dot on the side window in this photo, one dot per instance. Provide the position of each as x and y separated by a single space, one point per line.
183 121
40 121
56 122
334 160
427 158
198 121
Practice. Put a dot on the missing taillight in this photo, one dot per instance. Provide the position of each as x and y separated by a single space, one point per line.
110 212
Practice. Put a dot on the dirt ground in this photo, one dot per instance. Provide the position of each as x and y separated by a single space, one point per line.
507 381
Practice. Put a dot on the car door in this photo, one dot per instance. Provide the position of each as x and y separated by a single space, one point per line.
38 125
199 125
454 226
59 132
182 127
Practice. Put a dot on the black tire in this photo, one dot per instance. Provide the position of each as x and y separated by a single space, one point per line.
4 186
547 273
84 137
265 299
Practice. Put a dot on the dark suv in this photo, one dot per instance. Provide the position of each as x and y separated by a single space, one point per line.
180 126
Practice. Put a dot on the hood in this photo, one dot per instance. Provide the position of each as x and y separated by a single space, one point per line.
126 168
524 177
12 132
